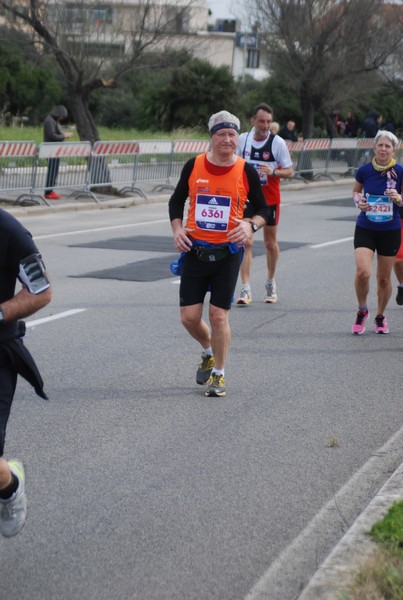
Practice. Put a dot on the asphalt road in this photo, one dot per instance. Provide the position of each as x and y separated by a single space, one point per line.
141 488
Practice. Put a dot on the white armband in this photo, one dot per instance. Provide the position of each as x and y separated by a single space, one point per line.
32 274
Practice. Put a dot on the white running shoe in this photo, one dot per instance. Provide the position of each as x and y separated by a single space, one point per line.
245 297
271 293
13 511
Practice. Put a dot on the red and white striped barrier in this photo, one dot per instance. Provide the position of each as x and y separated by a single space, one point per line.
22 149
115 148
64 150
126 163
294 146
190 146
364 143
18 162
155 147
317 144
344 143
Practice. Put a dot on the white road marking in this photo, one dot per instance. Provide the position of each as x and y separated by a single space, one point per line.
341 241
62 315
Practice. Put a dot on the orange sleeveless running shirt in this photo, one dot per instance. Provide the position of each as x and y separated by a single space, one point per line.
214 201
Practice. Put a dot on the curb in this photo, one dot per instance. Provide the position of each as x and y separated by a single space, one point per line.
340 567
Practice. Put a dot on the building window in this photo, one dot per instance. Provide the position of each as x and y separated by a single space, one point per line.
253 58
75 14
102 14
98 49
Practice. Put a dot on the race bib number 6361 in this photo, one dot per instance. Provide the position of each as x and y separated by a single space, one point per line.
212 212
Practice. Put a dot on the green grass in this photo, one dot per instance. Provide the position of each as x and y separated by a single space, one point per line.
35 134
390 529
381 577
135 134
27 134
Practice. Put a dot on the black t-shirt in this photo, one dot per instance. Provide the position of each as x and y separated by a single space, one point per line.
287 134
16 243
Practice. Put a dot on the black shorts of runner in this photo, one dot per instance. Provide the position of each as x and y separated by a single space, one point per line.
199 277
385 243
274 213
8 383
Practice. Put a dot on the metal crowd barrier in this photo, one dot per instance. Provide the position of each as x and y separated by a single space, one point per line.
155 163
126 165
163 160
182 150
295 149
17 167
314 159
327 157
342 157
114 164
73 161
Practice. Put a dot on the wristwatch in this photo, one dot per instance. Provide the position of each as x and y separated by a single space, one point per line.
274 173
1 315
254 226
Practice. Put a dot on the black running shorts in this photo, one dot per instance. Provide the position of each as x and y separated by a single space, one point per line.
385 242
217 277
8 383
274 213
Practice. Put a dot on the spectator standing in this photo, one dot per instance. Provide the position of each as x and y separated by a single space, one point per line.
274 127
218 184
334 123
351 130
269 155
351 125
52 132
288 131
372 124
19 258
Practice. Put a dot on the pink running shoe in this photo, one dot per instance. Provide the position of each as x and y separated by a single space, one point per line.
359 326
381 324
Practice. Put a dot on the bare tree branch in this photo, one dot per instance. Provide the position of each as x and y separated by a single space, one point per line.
329 51
95 46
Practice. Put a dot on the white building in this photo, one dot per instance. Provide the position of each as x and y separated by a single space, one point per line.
186 23
113 25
